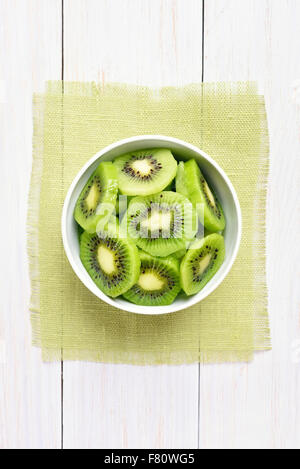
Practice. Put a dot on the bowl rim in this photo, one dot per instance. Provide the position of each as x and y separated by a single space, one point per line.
132 308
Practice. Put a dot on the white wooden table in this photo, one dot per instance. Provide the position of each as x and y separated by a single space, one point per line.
156 42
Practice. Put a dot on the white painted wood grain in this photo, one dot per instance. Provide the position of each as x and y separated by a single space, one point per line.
122 406
29 391
149 42
258 405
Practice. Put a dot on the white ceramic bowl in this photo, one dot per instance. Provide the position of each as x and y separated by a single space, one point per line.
182 151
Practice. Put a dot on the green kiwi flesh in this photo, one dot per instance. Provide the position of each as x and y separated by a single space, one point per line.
201 262
171 186
145 172
180 184
111 261
122 204
80 230
161 224
158 283
179 254
193 185
97 200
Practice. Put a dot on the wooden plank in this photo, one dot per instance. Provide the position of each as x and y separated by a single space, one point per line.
148 42
122 406
30 38
257 406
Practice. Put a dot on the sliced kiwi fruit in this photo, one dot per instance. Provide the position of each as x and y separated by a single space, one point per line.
111 261
80 230
161 224
193 185
158 283
180 183
179 254
201 262
118 203
122 204
145 172
171 186
97 200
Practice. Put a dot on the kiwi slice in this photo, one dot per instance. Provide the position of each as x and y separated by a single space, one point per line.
145 172
161 224
201 262
122 204
193 185
111 261
97 200
80 230
180 180
158 283
171 186
179 254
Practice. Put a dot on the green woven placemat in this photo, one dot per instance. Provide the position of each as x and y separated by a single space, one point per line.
73 121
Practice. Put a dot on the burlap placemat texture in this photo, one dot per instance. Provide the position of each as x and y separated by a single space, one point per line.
72 122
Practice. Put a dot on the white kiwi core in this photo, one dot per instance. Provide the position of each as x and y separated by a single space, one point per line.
142 166
150 282
158 221
106 260
209 194
204 263
93 197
